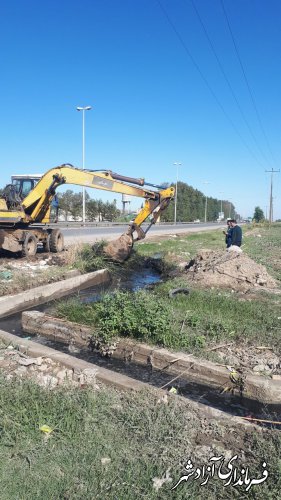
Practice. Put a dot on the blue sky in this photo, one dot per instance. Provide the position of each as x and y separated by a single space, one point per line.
157 93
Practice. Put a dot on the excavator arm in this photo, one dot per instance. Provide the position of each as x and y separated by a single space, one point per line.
36 206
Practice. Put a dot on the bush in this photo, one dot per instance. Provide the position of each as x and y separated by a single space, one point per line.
139 315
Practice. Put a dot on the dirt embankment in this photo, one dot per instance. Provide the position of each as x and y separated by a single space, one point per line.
230 269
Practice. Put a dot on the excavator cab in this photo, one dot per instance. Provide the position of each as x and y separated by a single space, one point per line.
23 184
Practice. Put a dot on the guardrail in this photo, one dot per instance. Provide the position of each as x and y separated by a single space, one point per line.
111 224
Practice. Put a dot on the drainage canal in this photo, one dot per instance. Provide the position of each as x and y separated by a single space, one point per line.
232 403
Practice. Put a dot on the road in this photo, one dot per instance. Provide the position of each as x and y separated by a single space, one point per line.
93 234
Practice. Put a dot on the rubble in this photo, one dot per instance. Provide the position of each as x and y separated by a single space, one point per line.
43 371
235 270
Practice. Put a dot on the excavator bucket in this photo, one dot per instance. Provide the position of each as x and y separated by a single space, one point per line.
119 250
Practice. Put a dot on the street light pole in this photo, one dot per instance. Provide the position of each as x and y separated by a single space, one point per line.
229 209
221 192
206 202
83 109
177 164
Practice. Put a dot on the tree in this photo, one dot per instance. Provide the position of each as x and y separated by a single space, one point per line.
258 214
92 210
70 204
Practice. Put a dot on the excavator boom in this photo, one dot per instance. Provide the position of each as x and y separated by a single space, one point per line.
18 214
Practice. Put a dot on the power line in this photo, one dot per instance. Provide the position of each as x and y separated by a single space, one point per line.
227 79
184 45
247 81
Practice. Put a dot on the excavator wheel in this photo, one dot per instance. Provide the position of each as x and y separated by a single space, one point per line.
56 241
29 246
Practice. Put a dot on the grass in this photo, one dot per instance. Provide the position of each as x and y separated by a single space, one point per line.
183 246
189 323
139 436
262 244
196 322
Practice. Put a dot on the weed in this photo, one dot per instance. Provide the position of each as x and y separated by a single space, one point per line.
140 437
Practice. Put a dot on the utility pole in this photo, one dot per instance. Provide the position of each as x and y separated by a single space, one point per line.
271 191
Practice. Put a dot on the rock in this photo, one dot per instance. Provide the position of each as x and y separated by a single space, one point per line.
30 361
43 367
105 460
47 381
20 371
261 368
64 375
261 281
90 375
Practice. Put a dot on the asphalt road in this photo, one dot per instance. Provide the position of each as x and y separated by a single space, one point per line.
93 234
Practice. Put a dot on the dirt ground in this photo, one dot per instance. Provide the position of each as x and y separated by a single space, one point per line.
19 274
230 269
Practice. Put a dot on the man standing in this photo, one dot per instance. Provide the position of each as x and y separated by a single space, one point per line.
236 235
228 233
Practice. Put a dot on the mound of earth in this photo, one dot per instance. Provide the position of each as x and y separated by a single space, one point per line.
231 269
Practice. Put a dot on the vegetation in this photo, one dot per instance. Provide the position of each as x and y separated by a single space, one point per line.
258 215
189 323
70 204
191 205
109 445
203 318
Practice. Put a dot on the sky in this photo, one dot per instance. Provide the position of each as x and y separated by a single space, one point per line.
196 82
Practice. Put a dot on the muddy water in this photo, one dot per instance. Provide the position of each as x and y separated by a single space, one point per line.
233 404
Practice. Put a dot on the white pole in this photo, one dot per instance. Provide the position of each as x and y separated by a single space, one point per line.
206 201
83 109
83 166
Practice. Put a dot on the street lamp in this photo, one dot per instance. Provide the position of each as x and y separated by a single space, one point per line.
229 215
177 164
206 201
83 109
221 192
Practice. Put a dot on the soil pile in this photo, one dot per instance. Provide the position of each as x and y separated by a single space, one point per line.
231 269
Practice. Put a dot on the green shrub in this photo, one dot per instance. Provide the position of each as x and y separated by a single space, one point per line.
139 315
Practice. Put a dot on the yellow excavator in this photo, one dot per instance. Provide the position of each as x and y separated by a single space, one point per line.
25 206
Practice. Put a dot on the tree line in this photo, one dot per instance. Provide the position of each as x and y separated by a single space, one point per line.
191 205
71 206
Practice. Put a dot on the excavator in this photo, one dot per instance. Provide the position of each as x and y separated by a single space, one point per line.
25 207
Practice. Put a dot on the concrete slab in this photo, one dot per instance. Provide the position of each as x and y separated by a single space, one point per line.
35 350
115 379
11 304
257 388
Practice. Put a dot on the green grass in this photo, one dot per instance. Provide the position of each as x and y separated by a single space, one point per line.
189 323
196 322
183 245
141 438
263 244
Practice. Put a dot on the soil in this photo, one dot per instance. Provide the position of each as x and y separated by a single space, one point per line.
18 274
229 269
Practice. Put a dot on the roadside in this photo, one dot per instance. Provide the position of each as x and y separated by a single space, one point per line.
90 441
103 443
